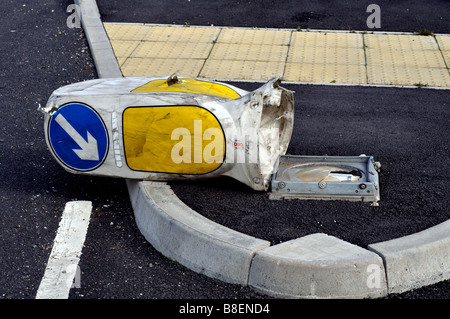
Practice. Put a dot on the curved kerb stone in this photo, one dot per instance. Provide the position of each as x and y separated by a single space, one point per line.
187 237
416 260
314 266
318 266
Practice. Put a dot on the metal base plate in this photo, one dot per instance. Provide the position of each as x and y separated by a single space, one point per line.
353 178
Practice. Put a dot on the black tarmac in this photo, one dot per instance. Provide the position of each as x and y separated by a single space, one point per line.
399 16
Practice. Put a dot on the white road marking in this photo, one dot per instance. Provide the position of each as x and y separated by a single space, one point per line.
63 261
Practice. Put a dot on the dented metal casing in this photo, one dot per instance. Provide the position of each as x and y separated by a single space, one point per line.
159 128
352 178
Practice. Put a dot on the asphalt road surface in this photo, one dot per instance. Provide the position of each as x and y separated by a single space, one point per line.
40 53
403 15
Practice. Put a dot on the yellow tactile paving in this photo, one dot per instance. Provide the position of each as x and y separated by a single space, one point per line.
403 75
161 67
242 70
124 48
399 42
412 58
444 45
326 55
299 56
160 33
327 39
325 73
172 50
446 55
126 31
121 60
444 42
248 52
183 34
254 36
394 59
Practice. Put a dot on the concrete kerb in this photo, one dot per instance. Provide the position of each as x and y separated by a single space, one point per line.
105 61
318 266
416 260
187 237
333 268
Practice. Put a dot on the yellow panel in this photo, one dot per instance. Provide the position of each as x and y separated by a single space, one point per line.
399 42
325 73
254 36
254 52
241 70
414 58
162 67
173 139
327 39
326 55
444 42
172 50
189 86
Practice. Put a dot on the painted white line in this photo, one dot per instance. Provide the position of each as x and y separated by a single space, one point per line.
65 255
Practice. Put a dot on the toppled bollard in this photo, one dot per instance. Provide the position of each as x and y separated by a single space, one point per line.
154 128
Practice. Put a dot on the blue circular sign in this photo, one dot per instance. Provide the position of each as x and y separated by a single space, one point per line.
78 136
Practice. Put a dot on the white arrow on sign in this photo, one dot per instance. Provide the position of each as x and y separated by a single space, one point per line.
89 149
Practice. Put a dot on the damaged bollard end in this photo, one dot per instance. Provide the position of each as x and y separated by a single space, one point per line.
163 129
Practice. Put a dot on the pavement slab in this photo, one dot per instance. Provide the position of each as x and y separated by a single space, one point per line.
299 56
